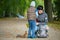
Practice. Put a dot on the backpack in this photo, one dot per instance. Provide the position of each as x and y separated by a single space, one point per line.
41 32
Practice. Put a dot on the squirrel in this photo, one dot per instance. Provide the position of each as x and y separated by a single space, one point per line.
22 36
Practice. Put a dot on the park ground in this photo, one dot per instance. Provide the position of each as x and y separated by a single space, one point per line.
11 27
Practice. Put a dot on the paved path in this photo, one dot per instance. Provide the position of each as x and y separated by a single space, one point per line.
9 28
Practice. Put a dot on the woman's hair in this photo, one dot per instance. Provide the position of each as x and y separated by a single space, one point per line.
40 7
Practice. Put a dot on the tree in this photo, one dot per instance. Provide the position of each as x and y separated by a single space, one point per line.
57 6
39 2
10 8
48 9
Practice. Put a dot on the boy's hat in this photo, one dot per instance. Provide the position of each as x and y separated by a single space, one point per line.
32 3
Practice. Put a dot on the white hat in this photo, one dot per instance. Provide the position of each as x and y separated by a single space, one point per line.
32 3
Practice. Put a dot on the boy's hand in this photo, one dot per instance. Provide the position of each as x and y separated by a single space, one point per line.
37 23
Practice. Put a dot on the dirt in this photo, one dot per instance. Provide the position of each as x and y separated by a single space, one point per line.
10 28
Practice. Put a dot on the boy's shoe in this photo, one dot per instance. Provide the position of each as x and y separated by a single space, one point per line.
30 37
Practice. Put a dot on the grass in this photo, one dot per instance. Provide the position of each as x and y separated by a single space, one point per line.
55 25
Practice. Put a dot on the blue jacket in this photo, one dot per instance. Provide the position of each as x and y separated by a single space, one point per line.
36 13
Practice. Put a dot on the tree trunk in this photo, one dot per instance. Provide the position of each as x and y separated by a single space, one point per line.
48 9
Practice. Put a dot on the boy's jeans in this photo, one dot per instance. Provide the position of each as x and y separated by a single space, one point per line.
32 27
